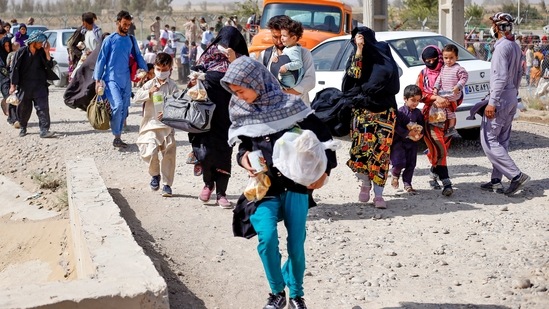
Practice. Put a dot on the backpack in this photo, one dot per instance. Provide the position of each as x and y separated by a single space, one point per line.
74 52
334 110
536 62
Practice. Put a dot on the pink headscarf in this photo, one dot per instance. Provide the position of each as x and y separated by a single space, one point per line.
430 75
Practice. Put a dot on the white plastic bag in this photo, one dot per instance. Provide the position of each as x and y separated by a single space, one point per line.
301 157
198 91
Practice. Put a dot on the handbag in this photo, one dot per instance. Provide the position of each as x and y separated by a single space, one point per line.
183 113
99 114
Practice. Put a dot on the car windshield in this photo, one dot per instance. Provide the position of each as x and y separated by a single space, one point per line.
317 17
409 49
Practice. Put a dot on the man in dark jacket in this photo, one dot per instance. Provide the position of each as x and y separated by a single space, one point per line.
29 77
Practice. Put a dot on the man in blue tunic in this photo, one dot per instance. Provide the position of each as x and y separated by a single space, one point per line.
113 68
505 75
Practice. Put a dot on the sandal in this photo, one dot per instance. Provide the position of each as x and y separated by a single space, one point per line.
409 189
197 170
394 182
191 159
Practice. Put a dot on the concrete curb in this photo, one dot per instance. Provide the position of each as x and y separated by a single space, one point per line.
112 269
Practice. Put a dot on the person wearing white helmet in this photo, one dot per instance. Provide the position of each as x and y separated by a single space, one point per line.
495 130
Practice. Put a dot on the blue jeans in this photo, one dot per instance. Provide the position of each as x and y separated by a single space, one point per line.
292 208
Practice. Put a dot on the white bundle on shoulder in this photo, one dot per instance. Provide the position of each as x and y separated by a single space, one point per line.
301 157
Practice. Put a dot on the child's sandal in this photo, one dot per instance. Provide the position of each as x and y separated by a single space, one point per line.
394 182
409 189
191 159
197 170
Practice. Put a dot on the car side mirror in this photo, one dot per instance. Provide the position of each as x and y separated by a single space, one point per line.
400 72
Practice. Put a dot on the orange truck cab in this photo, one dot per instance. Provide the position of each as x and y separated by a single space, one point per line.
321 19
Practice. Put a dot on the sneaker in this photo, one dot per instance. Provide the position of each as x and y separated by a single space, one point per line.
493 186
364 195
447 190
452 132
517 183
394 182
166 191
205 194
118 143
46 134
23 132
155 182
224 203
297 303
276 301
16 125
379 202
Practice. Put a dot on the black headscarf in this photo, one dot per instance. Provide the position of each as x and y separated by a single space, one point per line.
375 90
3 52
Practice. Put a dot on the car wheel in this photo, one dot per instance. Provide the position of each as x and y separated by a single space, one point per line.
470 134
62 81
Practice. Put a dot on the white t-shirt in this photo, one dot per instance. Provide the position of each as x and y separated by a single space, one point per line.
164 34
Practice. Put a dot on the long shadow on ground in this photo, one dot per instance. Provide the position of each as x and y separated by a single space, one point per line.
179 295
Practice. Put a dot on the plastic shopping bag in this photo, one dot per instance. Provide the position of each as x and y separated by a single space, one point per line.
198 91
257 187
301 157
436 114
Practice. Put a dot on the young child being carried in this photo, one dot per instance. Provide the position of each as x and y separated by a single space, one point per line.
450 84
290 62
154 136
408 128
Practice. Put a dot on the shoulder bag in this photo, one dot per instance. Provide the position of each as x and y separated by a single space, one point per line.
183 113
99 113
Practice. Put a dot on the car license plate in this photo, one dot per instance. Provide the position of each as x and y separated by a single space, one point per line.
474 88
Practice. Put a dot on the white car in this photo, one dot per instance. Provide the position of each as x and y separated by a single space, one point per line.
58 50
330 58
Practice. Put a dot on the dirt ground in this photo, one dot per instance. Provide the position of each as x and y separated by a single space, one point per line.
472 250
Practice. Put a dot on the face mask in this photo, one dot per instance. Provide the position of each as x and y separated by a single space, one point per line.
493 33
433 65
161 75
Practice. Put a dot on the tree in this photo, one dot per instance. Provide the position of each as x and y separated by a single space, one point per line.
475 11
416 11
165 6
27 6
137 6
247 8
3 6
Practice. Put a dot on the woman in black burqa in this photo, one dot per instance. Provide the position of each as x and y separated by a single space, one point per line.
372 80
211 148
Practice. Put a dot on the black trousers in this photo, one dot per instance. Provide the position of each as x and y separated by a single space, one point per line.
37 97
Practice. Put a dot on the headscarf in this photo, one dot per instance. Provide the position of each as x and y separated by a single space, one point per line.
273 110
3 52
379 81
430 75
212 59
36 36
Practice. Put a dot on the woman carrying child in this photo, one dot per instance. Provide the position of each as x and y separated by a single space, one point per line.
437 142
261 113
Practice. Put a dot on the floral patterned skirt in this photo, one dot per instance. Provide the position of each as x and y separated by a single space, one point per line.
372 137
